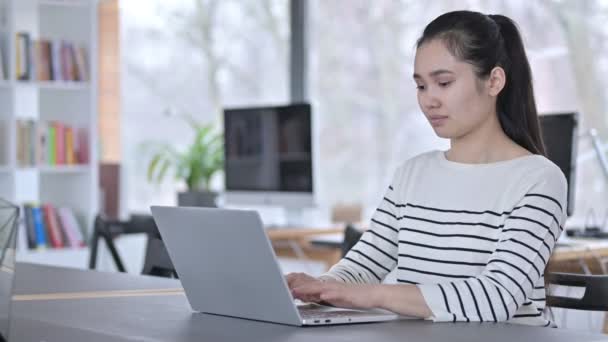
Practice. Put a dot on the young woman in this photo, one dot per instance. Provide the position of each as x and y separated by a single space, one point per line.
469 230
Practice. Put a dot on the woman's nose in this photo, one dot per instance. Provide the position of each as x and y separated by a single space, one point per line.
429 101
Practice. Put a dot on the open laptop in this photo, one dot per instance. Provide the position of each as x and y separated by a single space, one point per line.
9 218
227 267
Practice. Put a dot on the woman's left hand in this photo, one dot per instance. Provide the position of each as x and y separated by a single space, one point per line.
339 294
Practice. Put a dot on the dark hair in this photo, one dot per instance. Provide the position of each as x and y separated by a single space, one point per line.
488 41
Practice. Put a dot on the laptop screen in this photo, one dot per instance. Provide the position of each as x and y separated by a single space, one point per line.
9 217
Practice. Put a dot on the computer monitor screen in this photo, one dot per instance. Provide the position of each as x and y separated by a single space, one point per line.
268 150
559 132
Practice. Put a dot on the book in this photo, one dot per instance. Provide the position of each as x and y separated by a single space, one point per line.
81 63
52 226
43 60
59 143
23 57
69 146
42 145
52 147
56 60
65 61
30 227
71 227
41 241
83 146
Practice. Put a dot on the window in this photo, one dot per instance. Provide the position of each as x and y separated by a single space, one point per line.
193 57
361 62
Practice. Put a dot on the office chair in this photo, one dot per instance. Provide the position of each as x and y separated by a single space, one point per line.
156 261
594 299
351 237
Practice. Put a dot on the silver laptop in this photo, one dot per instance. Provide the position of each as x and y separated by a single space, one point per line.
9 218
227 267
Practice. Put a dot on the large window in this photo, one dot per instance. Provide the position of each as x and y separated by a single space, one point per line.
361 56
193 57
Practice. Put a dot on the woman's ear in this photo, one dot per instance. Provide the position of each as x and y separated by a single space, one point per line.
496 81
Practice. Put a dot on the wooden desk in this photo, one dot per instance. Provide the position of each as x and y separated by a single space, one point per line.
279 234
580 249
296 243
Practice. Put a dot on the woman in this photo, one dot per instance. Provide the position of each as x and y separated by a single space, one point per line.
469 230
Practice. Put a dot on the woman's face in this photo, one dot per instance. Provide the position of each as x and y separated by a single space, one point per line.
450 95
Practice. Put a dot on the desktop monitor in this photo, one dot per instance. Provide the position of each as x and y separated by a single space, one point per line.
560 132
269 156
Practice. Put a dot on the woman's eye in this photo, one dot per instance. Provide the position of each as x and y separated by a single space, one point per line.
444 84
420 87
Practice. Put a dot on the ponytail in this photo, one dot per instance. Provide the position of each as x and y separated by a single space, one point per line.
515 104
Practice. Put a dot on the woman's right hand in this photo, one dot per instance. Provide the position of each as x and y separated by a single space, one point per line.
298 279
295 280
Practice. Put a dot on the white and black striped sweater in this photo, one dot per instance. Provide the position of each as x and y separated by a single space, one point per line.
475 238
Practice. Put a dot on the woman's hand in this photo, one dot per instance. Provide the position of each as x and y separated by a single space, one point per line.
298 280
338 294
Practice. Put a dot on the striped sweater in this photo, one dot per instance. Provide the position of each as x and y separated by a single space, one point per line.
474 238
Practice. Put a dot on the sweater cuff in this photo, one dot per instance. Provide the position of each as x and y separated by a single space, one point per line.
435 301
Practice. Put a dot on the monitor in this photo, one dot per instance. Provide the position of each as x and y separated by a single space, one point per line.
560 132
269 156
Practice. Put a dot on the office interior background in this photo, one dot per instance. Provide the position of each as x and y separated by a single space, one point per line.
153 62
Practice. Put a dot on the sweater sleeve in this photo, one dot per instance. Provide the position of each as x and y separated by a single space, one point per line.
525 244
375 255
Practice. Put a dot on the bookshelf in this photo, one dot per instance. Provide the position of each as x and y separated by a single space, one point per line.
69 99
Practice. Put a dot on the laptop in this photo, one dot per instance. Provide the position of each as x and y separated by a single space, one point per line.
227 267
9 215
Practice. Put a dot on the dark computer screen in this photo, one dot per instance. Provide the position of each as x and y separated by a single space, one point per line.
559 132
268 148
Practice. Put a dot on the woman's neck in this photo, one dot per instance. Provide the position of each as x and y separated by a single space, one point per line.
487 143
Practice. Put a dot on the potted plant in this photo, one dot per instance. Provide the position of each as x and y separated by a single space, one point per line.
195 166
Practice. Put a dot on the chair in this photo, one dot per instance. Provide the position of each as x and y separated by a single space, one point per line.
156 262
351 237
594 299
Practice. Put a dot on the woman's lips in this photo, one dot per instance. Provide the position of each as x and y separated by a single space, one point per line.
437 120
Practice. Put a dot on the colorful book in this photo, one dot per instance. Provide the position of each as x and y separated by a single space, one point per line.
71 227
56 60
52 226
52 148
69 146
30 227
41 241
82 151
59 143
23 62
42 149
81 63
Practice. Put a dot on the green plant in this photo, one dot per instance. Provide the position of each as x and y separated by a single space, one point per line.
197 164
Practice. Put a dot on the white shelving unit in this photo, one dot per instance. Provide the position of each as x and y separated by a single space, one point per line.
74 103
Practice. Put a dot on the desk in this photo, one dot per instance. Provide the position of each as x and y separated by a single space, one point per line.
577 249
296 242
168 317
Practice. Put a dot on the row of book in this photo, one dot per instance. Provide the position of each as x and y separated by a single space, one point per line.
50 60
51 143
47 226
